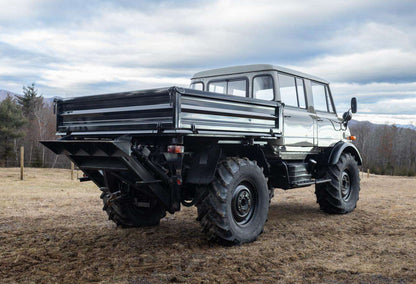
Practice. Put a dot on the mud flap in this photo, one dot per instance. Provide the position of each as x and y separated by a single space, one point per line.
203 166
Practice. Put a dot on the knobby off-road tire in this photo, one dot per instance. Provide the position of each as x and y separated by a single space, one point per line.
125 213
340 196
236 206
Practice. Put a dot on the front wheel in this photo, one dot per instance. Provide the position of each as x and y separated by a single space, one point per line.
236 206
340 195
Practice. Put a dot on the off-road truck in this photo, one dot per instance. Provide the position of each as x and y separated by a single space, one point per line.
222 145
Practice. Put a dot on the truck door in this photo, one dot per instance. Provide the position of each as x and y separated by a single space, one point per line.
298 124
327 122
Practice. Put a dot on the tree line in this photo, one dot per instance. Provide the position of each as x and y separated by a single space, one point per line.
386 149
24 121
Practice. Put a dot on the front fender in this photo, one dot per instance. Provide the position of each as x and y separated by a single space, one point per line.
342 147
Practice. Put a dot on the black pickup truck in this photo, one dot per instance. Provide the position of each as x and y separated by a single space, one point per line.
223 145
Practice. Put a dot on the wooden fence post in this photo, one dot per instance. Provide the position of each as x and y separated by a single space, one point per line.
72 171
22 161
368 173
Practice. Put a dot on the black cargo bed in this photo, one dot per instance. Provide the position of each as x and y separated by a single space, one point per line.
167 111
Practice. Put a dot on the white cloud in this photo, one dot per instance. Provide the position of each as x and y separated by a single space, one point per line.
84 74
371 36
375 89
378 102
12 10
377 65
391 106
387 118
364 49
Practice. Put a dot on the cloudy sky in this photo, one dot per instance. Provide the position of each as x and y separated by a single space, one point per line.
365 49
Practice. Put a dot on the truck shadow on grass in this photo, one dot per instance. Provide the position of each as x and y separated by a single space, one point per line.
174 230
184 231
187 231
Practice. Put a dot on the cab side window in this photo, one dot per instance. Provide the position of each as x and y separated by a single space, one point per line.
292 90
321 98
287 88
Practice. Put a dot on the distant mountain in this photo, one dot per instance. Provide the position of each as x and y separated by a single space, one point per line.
410 126
355 123
3 94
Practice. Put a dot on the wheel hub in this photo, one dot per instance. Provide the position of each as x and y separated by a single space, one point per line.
242 204
345 185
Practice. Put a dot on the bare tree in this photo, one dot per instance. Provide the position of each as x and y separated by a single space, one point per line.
386 149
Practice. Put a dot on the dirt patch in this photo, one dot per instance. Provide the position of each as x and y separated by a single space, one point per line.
52 229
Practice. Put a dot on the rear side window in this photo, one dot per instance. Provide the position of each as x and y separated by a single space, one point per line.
237 88
321 97
287 88
263 87
218 87
197 86
230 87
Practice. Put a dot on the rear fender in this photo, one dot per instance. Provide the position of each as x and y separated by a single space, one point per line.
203 165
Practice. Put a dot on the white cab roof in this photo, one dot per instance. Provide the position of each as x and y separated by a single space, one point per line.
253 68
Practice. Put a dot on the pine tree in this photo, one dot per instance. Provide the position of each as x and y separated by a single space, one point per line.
11 122
32 104
30 101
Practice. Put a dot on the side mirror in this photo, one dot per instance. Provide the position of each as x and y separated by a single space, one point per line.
353 105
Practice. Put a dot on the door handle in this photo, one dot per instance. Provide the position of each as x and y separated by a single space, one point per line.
286 116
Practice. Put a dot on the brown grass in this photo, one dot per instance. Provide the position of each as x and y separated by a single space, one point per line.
52 229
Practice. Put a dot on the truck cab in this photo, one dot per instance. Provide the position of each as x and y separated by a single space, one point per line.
309 117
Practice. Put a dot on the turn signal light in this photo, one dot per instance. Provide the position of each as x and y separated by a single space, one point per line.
352 138
176 149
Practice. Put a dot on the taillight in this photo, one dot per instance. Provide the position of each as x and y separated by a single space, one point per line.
176 149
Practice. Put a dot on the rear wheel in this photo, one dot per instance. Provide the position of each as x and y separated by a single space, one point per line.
340 195
130 211
236 206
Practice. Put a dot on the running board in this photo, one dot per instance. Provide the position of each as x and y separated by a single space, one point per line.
309 182
317 181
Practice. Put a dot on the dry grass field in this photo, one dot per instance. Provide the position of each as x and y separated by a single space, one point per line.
52 229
